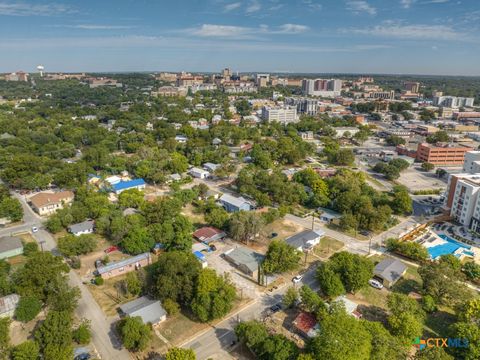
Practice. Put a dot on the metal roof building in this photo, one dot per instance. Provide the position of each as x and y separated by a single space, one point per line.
151 311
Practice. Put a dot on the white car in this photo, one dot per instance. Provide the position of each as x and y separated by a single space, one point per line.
34 229
297 279
375 283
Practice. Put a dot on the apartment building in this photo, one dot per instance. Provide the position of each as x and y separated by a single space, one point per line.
304 105
442 153
384 95
17 76
322 87
282 115
412 87
453 101
463 200
472 162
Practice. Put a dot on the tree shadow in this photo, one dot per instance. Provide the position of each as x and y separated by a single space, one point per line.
114 338
373 313
406 286
439 321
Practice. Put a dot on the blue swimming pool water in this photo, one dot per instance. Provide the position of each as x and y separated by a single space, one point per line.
449 247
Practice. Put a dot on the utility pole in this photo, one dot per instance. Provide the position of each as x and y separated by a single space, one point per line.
370 243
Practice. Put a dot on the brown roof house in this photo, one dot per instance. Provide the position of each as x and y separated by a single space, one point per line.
48 203
208 234
306 324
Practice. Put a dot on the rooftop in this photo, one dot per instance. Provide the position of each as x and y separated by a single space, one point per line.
83 226
8 243
118 264
247 257
151 311
8 303
302 238
122 185
42 199
236 201
390 269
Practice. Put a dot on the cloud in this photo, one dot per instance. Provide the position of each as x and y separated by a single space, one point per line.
26 9
360 6
421 32
313 5
292 29
406 3
232 6
98 27
253 7
242 32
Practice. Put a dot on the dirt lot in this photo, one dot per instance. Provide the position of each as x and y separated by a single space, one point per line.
283 228
20 332
416 179
195 218
327 247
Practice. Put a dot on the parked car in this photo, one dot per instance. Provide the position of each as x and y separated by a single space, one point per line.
273 235
213 247
98 263
111 249
276 308
84 356
375 283
34 229
297 279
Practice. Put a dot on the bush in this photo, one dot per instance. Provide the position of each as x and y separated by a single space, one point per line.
408 249
171 306
99 281
428 304
30 248
82 335
28 308
75 262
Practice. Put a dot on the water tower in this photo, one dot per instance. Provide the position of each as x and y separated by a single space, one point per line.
40 69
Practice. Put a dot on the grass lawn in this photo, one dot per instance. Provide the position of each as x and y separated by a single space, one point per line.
438 322
327 247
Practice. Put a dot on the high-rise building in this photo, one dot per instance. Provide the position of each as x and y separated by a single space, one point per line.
412 87
471 163
304 105
322 87
17 76
284 115
262 80
226 73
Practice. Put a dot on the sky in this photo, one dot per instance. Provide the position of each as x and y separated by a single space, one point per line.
322 36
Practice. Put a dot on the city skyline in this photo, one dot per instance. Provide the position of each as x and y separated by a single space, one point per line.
307 36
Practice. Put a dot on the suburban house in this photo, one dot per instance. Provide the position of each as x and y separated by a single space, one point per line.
389 271
305 240
149 310
329 216
306 324
234 204
201 258
10 246
174 177
138 184
45 203
211 167
124 266
350 306
208 234
199 173
82 228
246 260
8 304
182 139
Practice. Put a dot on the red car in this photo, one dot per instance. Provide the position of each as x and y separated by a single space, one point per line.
111 249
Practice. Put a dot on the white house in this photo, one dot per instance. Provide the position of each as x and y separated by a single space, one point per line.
82 228
305 240
199 173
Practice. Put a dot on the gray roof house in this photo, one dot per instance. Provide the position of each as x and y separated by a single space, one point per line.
10 246
234 204
246 260
8 304
390 271
85 227
305 239
151 311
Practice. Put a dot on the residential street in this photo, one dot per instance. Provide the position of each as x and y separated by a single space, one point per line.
102 337
217 341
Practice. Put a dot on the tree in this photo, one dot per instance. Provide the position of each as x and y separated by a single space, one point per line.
291 297
27 350
61 296
471 271
180 354
71 245
131 198
137 241
217 217
213 296
28 308
330 282
311 302
468 328
133 283
30 248
451 261
280 257
251 333
39 275
171 307
82 334
406 326
244 226
344 157
342 338
433 353
401 202
394 140
354 270
444 284
426 166
4 333
54 336
277 347
135 335
400 303
384 345
439 136
11 209
176 275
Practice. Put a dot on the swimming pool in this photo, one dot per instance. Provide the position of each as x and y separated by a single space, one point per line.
449 247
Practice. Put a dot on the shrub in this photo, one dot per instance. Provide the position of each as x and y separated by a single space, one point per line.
30 248
28 308
171 307
99 281
82 334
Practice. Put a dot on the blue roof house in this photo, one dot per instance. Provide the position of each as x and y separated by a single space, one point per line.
127 185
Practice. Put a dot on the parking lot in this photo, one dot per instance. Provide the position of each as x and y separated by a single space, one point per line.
415 179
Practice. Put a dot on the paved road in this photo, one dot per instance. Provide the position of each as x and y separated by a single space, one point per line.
216 342
102 336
